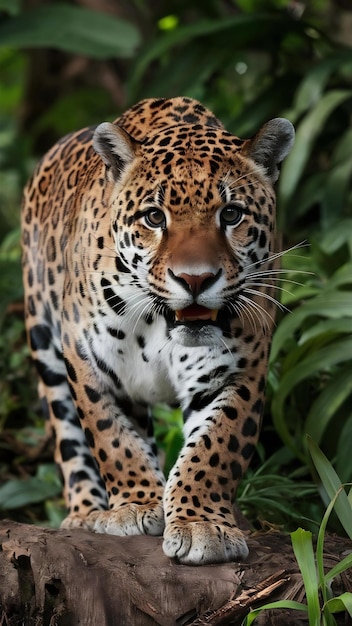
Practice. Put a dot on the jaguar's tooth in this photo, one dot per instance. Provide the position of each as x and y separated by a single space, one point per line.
178 316
214 314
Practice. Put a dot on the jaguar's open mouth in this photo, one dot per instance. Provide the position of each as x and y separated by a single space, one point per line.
198 323
196 313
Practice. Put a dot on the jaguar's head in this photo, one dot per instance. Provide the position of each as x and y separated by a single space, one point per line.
193 215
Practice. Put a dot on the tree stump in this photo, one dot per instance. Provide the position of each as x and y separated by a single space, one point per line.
66 578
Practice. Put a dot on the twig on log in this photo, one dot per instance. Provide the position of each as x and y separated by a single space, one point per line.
237 608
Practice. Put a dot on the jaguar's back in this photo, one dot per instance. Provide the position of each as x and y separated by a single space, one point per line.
147 258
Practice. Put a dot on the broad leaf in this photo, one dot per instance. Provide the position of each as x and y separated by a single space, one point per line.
337 390
341 603
73 29
306 134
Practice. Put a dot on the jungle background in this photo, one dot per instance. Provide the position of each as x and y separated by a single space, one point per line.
71 64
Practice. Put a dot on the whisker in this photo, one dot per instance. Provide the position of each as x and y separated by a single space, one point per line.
279 271
274 287
232 184
146 307
222 340
237 308
104 246
278 255
279 280
255 292
249 314
258 308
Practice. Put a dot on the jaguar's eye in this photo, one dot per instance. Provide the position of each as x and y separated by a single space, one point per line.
231 215
155 218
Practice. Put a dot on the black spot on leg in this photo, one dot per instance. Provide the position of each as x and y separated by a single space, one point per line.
93 395
40 337
247 451
71 372
68 449
214 460
89 437
249 428
207 441
49 377
102 455
236 470
233 444
230 412
104 424
244 393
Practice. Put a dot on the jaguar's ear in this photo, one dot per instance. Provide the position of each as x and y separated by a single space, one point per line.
271 145
116 147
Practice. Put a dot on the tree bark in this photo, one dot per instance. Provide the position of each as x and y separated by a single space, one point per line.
62 578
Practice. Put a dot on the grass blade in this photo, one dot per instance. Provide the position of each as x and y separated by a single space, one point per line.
341 603
281 604
303 548
346 563
332 485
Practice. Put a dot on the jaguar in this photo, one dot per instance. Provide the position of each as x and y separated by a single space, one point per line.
149 252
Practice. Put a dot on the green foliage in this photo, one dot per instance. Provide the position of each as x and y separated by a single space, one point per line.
10 6
248 60
186 58
70 28
321 604
168 433
321 110
311 352
20 493
274 493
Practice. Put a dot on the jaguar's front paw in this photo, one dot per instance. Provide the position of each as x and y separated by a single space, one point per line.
197 543
129 519
74 520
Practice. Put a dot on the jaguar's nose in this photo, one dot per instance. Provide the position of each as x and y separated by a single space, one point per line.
196 283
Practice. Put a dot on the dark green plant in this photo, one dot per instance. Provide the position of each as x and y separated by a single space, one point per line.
248 60
67 27
321 603
311 370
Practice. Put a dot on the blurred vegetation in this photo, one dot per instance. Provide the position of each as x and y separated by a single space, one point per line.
66 65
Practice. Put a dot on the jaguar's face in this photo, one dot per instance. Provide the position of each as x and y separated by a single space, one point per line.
189 244
192 215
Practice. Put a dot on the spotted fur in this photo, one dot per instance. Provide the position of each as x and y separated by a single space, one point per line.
147 252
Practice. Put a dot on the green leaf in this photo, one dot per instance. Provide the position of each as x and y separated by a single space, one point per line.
328 328
10 6
19 493
73 29
309 193
343 453
341 603
323 409
333 305
335 197
303 548
325 358
332 483
341 567
324 582
280 604
306 135
342 150
312 86
242 29
339 235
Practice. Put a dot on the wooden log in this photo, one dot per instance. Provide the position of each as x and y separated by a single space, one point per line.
65 578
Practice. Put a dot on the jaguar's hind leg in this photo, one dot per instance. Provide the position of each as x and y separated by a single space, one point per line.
84 489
